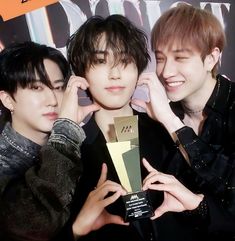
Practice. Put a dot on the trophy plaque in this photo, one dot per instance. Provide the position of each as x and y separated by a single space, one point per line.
126 159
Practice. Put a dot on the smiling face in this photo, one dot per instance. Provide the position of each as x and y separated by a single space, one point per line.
182 72
112 83
36 107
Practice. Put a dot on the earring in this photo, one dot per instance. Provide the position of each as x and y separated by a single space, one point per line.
12 111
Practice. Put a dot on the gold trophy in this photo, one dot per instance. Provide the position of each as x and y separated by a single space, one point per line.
126 159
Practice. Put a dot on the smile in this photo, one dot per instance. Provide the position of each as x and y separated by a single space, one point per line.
174 84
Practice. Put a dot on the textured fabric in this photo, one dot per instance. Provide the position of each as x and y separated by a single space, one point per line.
37 183
212 158
155 146
211 172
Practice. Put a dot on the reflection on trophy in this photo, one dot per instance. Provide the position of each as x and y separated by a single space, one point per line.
126 159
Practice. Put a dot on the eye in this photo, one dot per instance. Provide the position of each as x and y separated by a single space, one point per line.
101 61
59 88
36 87
159 59
181 58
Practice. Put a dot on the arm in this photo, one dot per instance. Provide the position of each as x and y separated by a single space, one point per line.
212 164
177 198
36 205
93 214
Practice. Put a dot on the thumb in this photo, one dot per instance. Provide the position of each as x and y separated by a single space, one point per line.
115 219
159 212
103 175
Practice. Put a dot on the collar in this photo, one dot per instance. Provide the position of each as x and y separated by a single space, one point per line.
19 142
92 130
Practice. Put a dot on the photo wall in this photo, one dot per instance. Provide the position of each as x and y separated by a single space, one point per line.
52 22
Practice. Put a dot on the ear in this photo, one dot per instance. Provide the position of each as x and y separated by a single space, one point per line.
212 59
6 100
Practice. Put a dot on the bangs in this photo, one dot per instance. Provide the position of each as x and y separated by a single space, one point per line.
190 27
180 29
33 73
105 43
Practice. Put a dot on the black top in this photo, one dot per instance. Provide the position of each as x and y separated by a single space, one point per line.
211 173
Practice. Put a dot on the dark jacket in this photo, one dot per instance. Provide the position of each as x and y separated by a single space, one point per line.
211 173
37 183
212 159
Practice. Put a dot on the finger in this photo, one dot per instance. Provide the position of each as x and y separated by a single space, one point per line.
77 82
75 78
115 219
104 189
107 201
90 108
140 103
147 79
148 166
158 213
103 175
169 183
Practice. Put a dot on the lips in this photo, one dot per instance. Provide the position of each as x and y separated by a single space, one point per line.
51 115
115 88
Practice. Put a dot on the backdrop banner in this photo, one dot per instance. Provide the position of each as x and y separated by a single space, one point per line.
57 20
13 8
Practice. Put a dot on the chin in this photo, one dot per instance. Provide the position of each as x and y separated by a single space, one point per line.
174 98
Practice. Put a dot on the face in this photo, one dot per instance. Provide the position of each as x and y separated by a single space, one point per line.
36 107
182 72
111 86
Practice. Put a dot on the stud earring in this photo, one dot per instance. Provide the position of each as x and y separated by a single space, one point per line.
12 111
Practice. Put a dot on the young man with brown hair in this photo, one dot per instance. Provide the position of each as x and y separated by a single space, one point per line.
187 43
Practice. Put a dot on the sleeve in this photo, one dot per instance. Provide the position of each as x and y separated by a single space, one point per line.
216 170
35 206
208 161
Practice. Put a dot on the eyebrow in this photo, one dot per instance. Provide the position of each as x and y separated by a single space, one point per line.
58 81
175 51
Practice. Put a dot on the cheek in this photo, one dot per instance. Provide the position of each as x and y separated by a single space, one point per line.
159 69
59 98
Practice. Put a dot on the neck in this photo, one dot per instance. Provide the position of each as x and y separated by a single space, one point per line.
195 103
190 111
105 120
38 137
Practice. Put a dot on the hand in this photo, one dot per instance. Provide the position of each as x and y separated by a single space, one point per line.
93 214
177 197
158 107
69 107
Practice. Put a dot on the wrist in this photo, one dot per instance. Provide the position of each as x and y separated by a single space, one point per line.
76 234
172 124
201 210
198 199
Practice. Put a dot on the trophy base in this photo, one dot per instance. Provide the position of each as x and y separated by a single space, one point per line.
137 206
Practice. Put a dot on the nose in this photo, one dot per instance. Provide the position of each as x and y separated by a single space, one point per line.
169 69
115 72
51 97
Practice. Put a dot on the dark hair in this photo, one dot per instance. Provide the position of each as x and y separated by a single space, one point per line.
20 62
186 24
122 37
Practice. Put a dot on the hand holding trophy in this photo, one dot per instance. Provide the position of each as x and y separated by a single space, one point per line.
126 159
